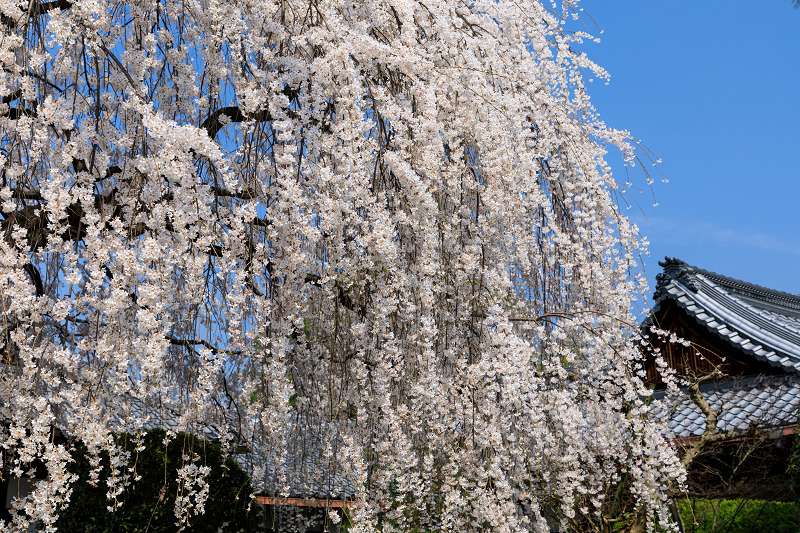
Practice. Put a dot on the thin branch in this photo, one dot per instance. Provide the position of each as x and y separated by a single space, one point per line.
194 342
215 122
37 8
710 434
120 66
248 194
567 315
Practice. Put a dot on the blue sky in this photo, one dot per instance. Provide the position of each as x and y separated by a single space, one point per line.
713 89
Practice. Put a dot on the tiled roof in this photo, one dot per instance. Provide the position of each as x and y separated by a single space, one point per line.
758 321
742 404
308 469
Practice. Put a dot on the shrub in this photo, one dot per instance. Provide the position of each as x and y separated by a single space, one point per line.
149 503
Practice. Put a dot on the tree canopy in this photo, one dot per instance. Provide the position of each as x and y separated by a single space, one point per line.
381 235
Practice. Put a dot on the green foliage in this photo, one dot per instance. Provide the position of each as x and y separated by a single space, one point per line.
794 466
149 503
739 516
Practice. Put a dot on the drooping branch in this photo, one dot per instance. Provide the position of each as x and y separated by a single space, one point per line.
233 114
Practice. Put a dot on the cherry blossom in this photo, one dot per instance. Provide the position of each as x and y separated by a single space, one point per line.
381 231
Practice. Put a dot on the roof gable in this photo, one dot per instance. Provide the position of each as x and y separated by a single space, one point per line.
760 322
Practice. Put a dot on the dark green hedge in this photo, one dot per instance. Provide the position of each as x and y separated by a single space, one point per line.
149 504
739 516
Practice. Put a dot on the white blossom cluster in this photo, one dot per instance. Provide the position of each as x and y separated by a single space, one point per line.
390 221
192 490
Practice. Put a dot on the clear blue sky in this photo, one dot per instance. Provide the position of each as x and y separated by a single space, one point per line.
713 89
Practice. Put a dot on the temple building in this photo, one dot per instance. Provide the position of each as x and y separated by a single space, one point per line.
738 345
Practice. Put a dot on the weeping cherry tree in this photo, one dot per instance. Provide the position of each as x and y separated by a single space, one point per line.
381 234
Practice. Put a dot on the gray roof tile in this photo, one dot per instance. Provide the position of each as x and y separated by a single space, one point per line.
758 402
